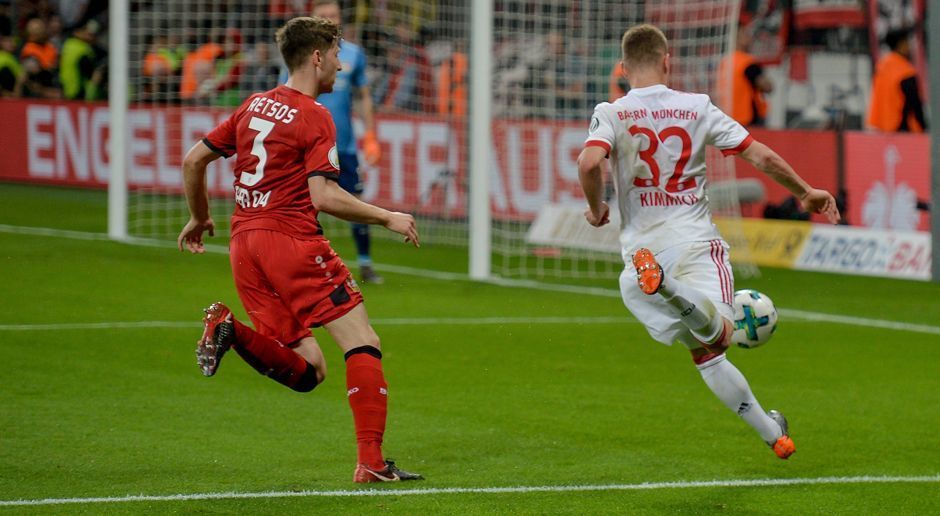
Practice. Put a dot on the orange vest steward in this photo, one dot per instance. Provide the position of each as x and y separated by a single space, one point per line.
205 54
614 91
45 53
744 96
887 99
452 86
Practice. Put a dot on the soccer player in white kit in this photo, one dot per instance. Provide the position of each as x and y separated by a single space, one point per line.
682 287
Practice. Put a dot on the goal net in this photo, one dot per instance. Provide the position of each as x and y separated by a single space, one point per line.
191 63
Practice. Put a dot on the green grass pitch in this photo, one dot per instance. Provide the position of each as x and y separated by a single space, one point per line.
111 412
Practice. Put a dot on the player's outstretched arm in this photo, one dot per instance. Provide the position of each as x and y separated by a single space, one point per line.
327 196
197 197
769 162
591 175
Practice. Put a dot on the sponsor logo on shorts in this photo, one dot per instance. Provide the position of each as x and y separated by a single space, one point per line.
351 283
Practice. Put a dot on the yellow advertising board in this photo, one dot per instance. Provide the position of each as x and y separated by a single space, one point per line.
772 243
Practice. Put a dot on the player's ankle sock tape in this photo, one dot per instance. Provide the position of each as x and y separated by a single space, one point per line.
368 350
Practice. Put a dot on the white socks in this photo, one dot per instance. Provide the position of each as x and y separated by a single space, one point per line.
732 389
696 310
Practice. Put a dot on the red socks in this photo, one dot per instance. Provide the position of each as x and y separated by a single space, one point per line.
270 357
368 399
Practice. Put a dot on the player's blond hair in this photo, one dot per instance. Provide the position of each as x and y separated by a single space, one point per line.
300 37
643 46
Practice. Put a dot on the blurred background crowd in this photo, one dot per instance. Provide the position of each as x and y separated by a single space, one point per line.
551 58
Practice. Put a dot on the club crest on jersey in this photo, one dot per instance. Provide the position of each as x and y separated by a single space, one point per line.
333 156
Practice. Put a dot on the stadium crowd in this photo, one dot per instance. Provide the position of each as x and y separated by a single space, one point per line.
53 50
214 52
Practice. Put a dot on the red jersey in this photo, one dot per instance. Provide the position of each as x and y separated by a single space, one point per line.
281 137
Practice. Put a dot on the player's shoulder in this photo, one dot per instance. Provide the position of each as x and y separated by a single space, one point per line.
607 107
317 115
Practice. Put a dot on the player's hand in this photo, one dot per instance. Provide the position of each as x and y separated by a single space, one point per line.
371 149
404 224
598 219
191 235
821 201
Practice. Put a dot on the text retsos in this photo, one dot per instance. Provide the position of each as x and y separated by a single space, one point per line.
268 108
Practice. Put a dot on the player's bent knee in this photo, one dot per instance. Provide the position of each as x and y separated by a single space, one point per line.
308 380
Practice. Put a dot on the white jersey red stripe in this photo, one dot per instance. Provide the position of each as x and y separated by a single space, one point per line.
724 275
655 138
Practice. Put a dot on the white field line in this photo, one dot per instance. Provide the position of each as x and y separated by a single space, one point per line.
645 486
413 321
801 315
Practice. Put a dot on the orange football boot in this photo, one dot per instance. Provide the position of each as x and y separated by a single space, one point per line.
783 446
391 473
649 274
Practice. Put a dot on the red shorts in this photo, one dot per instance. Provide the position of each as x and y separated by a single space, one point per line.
289 285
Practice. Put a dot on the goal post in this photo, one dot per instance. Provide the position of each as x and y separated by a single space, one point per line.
481 137
117 108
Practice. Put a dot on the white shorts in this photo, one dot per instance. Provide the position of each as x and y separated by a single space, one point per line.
703 266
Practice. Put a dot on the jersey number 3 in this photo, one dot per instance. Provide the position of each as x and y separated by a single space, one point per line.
675 183
264 128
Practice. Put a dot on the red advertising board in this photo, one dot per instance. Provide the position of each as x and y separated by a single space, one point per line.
887 174
811 153
423 165
424 160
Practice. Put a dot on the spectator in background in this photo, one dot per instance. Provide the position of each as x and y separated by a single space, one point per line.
81 70
161 68
12 75
406 84
452 83
261 71
895 104
561 75
742 83
198 67
39 59
223 85
617 85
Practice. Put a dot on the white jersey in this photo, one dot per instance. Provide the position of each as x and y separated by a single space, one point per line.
655 138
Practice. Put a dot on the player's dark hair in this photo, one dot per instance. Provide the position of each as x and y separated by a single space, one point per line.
643 45
300 37
318 3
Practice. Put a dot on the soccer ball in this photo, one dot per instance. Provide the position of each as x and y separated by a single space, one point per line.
755 319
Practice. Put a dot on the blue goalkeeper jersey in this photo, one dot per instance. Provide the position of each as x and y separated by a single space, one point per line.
339 102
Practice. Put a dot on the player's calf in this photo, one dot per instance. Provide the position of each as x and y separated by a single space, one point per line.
266 355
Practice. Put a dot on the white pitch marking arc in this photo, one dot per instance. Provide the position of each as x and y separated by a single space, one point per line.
765 482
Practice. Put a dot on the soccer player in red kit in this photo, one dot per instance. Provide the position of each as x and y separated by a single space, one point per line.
288 277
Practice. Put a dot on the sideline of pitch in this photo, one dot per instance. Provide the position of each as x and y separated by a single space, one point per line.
766 482
391 321
804 315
